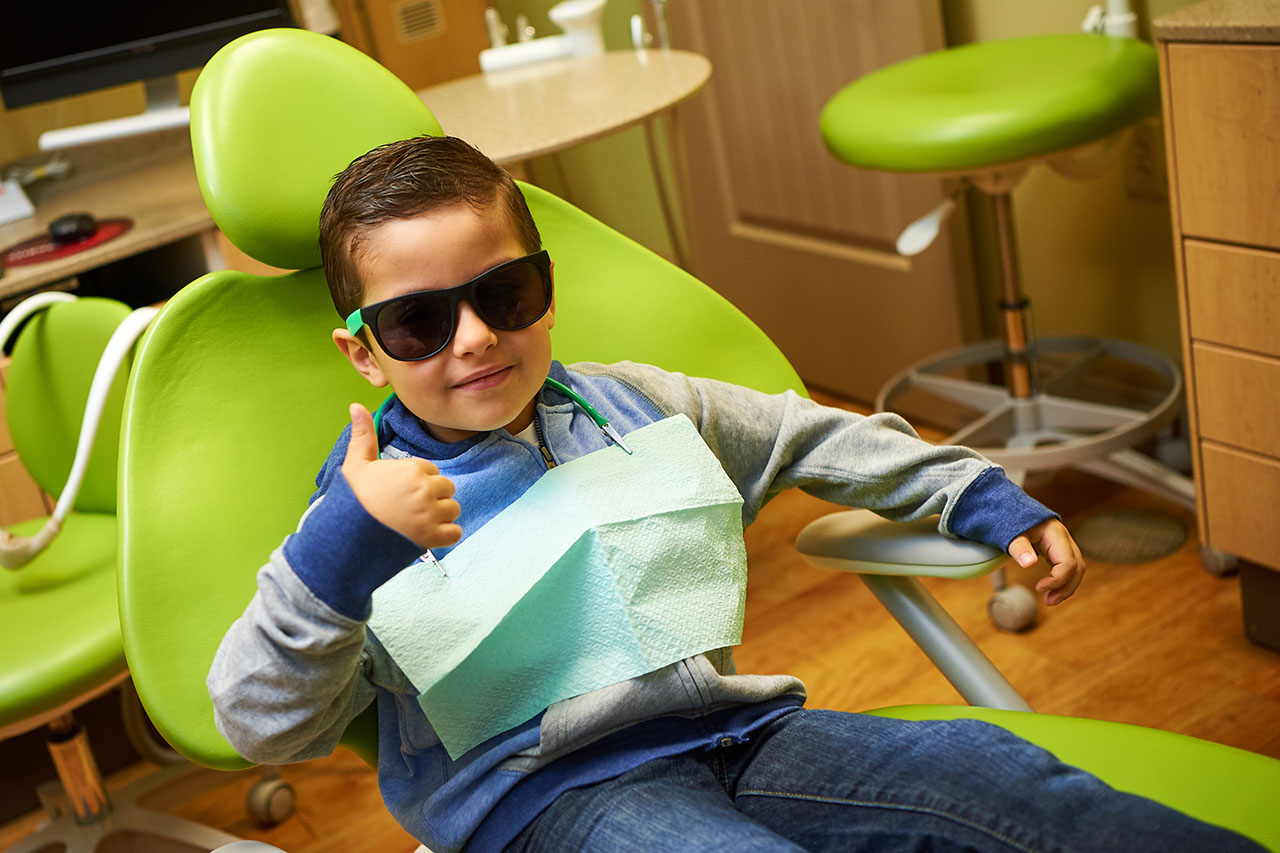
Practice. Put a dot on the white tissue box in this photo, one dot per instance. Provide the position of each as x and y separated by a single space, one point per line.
14 204
524 53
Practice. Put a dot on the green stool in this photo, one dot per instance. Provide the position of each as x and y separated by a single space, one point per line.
986 113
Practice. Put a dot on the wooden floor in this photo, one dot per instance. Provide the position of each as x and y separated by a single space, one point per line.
1158 644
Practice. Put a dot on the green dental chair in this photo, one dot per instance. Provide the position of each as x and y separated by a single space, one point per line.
985 113
237 394
62 644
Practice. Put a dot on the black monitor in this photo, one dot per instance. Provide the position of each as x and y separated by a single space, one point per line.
50 50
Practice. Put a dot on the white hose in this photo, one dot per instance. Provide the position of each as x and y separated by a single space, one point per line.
26 308
17 551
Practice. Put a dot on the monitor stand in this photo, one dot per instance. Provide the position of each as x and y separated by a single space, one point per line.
162 113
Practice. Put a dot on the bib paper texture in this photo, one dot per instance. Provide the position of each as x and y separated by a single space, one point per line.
609 567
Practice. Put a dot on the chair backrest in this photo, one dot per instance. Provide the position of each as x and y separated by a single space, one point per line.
53 363
237 392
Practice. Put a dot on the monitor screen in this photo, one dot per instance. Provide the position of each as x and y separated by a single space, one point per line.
52 50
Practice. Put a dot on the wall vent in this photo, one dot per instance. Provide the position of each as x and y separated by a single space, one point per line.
418 19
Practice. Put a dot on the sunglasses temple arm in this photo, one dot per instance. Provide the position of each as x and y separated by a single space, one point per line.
355 321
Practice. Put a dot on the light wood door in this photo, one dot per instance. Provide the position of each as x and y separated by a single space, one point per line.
800 242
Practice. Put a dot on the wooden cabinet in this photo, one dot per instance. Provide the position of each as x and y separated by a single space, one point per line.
20 497
421 41
1222 109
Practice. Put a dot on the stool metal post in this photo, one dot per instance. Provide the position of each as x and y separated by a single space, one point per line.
1016 329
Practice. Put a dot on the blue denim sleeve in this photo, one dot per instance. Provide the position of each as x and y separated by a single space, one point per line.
994 510
343 554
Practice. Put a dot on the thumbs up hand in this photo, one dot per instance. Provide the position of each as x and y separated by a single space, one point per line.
408 495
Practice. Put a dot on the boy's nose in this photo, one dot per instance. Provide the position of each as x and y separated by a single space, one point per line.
473 335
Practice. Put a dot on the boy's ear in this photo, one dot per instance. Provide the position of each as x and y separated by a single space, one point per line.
360 357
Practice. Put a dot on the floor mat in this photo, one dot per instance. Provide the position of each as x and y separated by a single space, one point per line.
1129 536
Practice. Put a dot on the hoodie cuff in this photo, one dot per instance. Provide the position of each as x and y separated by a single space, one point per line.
343 554
994 510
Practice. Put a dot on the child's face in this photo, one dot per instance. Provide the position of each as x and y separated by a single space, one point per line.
483 379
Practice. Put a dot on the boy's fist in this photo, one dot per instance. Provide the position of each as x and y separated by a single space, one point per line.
1066 563
408 495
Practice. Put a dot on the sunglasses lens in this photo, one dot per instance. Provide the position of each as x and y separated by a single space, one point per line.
512 297
419 325
415 328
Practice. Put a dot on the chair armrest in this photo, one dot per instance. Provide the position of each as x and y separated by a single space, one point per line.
888 555
861 541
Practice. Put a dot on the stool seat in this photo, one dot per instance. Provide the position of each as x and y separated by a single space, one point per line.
991 103
62 629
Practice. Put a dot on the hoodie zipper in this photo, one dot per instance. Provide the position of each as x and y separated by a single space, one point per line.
542 443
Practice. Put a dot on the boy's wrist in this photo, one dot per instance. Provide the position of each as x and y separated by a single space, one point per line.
342 553
995 510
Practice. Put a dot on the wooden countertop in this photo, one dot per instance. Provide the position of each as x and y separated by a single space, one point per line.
1244 21
152 182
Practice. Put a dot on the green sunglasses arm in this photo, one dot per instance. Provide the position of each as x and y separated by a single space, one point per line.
355 322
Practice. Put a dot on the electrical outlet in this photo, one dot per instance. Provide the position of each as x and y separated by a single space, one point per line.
1146 174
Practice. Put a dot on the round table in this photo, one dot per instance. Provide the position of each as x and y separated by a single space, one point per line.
526 112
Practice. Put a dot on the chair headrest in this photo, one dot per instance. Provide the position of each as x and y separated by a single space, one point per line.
275 115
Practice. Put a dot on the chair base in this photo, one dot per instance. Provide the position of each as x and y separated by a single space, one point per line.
1049 429
128 825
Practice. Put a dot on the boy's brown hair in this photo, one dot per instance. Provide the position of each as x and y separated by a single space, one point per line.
401 180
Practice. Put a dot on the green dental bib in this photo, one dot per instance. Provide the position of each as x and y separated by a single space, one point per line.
609 567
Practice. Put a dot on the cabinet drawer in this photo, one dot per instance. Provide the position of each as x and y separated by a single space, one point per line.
1223 118
1237 398
1233 296
1241 493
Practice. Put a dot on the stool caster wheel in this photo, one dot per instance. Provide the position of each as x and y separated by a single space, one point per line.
1013 608
271 801
1218 563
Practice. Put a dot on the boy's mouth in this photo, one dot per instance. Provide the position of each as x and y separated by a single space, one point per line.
483 379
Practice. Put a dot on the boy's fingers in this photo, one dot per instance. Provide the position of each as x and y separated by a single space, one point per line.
446 510
451 534
363 446
1050 581
1021 551
1061 583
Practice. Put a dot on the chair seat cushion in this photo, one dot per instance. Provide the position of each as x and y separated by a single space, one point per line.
990 103
1209 781
62 629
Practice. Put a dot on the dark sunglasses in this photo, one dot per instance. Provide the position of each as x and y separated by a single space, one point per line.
418 325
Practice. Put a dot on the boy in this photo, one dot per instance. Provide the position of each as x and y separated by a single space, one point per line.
435 263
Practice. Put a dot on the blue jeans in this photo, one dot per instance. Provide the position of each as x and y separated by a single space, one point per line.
824 780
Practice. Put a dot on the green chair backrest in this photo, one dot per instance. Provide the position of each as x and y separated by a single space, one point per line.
54 359
237 393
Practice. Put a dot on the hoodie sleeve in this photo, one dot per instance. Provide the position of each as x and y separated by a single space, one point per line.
294 669
771 442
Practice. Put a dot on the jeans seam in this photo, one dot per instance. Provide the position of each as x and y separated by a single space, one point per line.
881 804
722 776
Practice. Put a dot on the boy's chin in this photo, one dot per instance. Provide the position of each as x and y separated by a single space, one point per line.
450 433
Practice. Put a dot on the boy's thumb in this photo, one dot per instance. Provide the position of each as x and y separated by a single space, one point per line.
363 446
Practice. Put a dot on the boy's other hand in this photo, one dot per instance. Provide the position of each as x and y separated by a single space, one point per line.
1066 564
408 495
